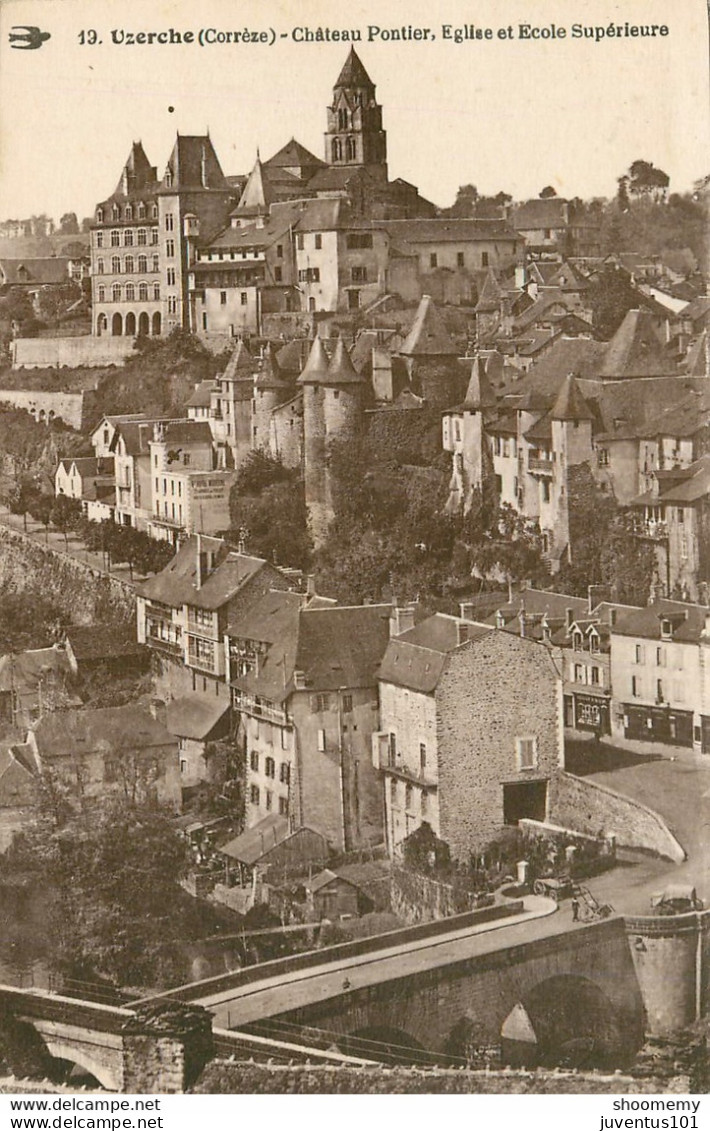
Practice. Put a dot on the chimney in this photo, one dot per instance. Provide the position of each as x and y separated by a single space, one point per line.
612 617
401 619
198 562
466 610
461 632
521 621
569 617
311 585
158 711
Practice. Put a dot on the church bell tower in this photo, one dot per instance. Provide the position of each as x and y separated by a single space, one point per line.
355 136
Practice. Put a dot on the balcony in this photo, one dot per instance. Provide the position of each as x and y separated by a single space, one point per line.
249 705
656 531
395 766
161 644
203 663
540 466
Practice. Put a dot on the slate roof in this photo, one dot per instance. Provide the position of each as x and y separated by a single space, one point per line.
187 432
63 734
269 374
570 404
416 659
292 357
103 641
582 356
18 772
688 621
428 336
315 370
240 363
342 646
90 465
449 230
202 396
258 193
274 621
176 585
195 716
43 271
341 370
353 73
254 843
548 213
293 154
186 161
687 485
635 350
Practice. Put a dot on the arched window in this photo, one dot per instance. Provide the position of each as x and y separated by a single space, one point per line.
154 212
156 291
115 239
142 264
102 294
128 264
141 211
116 292
142 237
154 237
130 292
270 768
99 239
350 149
99 266
342 119
168 178
143 292
337 149
128 212
128 237
156 262
99 215
116 212
115 265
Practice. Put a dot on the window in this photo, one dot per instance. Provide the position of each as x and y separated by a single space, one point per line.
254 795
171 276
284 740
526 751
170 249
243 298
392 748
433 259
659 690
321 740
115 239
156 262
223 298
142 264
283 806
154 237
635 687
408 796
99 267
172 307
603 457
270 768
545 487
577 639
284 773
116 292
99 215
154 212
142 292
638 654
347 704
579 673
278 275
422 756
128 237
318 241
595 674
460 261
299 241
319 703
358 274
169 222
142 237
393 792
484 259
102 294
660 658
279 251
681 516
130 292
141 211
254 761
128 264
358 240
115 265
156 291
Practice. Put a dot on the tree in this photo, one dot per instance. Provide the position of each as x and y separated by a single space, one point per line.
53 301
69 225
65 515
548 192
645 181
610 296
510 547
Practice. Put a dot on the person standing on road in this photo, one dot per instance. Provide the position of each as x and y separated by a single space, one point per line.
575 909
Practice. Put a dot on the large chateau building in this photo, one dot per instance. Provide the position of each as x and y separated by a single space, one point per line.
195 248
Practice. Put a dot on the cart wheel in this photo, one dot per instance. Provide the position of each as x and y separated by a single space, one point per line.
539 887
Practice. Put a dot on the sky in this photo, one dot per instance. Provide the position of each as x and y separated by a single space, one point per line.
502 113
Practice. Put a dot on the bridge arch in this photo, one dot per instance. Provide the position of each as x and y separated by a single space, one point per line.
567 1020
82 1058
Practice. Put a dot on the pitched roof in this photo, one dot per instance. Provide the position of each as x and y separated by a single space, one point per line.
254 843
342 646
581 356
417 658
294 155
353 73
202 396
176 585
449 230
272 621
341 370
103 641
195 716
635 350
548 213
479 393
315 370
269 374
428 336
257 194
570 404
687 621
490 295
694 484
137 174
292 357
185 432
240 363
40 271
25 671
64 734
194 164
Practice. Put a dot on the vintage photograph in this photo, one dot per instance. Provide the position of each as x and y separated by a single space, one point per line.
355 548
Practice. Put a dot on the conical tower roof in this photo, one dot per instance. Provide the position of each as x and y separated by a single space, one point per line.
489 299
353 73
636 350
428 336
479 394
316 368
570 404
269 375
290 357
341 370
241 364
257 194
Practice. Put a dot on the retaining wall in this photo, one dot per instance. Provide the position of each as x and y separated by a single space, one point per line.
46 353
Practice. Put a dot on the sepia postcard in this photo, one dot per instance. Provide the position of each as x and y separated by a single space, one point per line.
355 552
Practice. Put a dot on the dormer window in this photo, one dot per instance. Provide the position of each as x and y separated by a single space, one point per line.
666 629
593 642
577 641
168 178
99 215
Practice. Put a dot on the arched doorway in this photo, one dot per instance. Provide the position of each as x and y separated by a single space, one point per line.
156 324
101 324
130 325
144 324
116 326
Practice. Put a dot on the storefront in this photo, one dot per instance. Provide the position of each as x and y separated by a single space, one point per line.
658 724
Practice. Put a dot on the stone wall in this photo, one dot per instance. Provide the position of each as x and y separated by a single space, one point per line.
671 955
74 409
419 899
578 803
84 595
46 353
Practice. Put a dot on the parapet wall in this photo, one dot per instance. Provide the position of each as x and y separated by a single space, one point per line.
577 803
83 594
671 954
72 408
46 353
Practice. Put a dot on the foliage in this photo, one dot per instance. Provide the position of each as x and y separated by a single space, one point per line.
259 471
28 619
610 297
113 868
644 180
273 521
53 302
548 192
604 548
